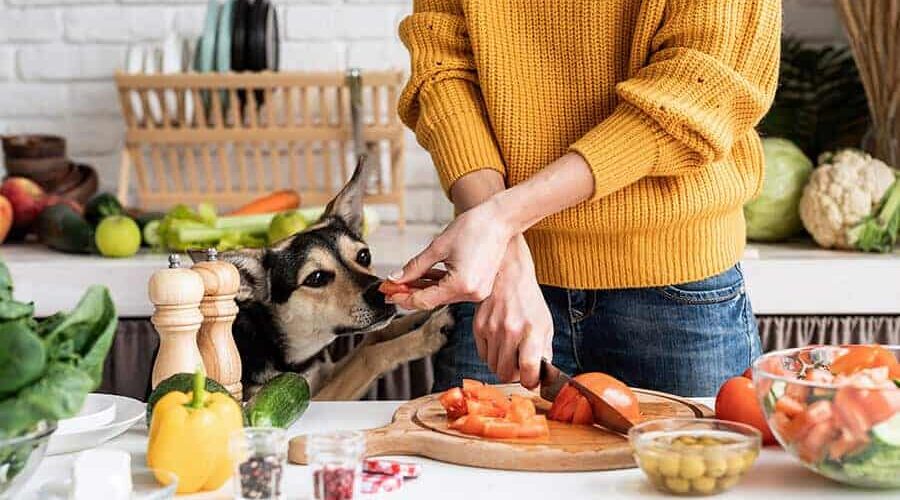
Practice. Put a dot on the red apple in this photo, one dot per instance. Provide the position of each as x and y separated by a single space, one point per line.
6 217
27 199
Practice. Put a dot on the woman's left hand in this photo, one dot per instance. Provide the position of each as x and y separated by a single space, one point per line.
471 248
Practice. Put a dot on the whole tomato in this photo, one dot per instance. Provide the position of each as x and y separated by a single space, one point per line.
736 402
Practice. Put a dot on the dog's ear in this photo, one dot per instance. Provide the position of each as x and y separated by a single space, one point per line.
348 204
252 263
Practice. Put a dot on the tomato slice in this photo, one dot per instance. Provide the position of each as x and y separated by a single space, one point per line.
535 426
484 408
789 406
894 372
520 409
860 357
474 425
500 429
459 423
584 414
813 444
850 413
454 402
390 288
879 404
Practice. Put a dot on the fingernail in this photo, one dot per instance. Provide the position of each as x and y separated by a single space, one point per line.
395 275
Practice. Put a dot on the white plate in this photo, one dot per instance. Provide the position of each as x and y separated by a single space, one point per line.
97 411
128 412
152 65
144 487
171 63
134 64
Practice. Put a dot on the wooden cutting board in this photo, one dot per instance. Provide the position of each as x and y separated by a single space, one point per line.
419 428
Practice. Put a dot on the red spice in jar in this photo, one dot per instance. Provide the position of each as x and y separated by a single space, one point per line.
334 483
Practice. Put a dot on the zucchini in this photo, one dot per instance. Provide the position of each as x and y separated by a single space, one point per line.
62 228
101 206
279 403
182 382
888 432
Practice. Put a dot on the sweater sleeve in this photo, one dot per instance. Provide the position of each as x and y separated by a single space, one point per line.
442 101
709 80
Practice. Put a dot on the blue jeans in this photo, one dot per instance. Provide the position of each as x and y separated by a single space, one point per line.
684 339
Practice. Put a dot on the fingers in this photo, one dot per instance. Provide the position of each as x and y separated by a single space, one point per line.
530 351
419 265
479 328
508 358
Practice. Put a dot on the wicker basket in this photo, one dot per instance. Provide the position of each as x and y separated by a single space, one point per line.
227 138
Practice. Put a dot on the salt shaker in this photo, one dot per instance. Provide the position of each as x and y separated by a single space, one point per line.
221 281
176 293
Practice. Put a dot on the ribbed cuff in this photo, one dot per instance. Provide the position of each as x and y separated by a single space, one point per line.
454 128
625 147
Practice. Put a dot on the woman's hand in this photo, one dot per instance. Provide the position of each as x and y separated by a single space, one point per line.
471 248
513 327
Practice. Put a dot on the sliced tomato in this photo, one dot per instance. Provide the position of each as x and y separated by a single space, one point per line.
474 425
390 288
488 393
500 429
845 445
520 409
779 423
614 392
789 406
459 423
812 447
860 357
469 385
879 404
850 414
563 408
797 392
535 426
454 402
584 414
894 372
484 408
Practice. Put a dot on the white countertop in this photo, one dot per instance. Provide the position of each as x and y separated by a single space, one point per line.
794 278
775 475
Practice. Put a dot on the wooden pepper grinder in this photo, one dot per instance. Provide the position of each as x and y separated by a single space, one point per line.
221 281
176 293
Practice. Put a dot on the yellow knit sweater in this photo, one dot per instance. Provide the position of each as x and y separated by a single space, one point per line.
659 96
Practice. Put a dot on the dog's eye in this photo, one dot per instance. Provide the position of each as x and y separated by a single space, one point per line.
318 279
364 258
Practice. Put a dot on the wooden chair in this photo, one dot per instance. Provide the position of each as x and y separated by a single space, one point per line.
227 138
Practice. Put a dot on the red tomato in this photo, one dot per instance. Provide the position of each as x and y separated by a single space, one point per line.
500 429
454 402
564 406
474 425
860 357
737 402
614 392
489 393
390 288
584 414
520 409
534 427
813 445
748 373
879 405
789 406
850 414
484 408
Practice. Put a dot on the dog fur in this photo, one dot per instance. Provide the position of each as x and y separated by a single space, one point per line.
307 290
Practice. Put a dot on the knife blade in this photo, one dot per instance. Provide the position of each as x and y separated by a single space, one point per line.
553 380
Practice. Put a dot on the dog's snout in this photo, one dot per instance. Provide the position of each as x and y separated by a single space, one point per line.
373 296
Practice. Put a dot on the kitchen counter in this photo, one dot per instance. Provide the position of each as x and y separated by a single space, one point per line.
793 278
775 475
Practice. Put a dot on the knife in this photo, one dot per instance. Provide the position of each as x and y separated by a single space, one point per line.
553 380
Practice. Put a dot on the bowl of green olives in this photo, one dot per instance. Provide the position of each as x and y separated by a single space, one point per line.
694 456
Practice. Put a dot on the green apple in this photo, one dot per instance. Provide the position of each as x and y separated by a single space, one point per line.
285 224
118 236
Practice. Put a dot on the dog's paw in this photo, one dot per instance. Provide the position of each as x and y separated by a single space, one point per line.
438 326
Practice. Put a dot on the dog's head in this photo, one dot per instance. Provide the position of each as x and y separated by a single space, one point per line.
318 283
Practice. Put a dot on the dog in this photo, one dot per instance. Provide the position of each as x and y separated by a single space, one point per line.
304 292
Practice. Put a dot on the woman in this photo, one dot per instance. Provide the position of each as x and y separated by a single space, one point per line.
599 154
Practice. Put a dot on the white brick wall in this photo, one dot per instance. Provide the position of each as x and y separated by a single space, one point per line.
57 58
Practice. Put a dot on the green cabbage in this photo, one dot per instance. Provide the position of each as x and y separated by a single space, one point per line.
773 215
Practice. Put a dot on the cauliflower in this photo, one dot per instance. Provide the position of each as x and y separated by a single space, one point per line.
852 201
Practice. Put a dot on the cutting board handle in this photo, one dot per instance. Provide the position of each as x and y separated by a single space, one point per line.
379 442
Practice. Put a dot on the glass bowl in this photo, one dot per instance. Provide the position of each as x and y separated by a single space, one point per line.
144 484
20 457
694 456
844 429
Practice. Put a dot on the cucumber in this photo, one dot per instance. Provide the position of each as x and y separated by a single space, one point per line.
62 228
150 234
888 432
279 403
101 206
182 382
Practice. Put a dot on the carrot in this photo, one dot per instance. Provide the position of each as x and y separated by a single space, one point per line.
277 201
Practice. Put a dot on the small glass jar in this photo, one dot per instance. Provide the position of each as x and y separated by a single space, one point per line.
335 460
260 457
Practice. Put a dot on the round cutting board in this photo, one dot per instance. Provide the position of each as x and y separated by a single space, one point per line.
419 428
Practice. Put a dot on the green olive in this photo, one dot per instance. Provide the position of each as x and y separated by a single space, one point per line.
728 481
678 485
649 463
692 466
669 464
735 465
716 466
704 484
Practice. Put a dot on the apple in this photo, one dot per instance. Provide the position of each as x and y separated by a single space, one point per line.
6 217
27 199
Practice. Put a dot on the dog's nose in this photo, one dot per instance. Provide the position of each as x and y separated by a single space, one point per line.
373 295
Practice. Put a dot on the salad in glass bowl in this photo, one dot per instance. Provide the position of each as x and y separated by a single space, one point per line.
837 409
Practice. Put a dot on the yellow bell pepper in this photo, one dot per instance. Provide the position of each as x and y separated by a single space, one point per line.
189 436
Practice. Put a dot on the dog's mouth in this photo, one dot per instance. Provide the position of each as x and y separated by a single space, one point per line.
378 323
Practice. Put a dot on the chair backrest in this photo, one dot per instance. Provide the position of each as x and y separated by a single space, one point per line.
227 138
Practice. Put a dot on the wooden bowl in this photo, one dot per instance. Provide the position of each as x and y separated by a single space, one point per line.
45 171
85 188
34 146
